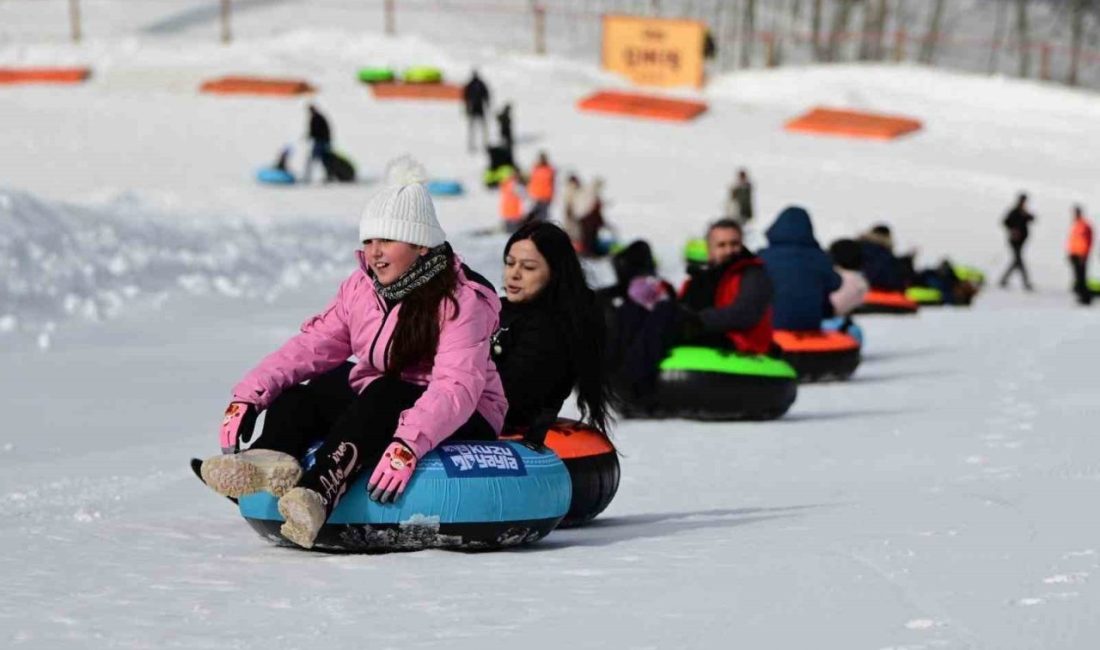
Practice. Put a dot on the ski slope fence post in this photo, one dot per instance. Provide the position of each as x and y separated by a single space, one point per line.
1044 61
227 35
899 46
74 20
540 28
391 17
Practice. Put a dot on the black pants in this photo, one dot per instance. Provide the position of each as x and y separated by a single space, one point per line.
1017 264
355 429
1079 264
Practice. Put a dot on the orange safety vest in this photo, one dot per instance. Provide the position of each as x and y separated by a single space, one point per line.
1080 238
511 205
541 185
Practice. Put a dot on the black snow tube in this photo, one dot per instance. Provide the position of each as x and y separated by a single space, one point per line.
700 383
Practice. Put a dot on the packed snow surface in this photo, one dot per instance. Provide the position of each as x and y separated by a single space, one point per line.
940 499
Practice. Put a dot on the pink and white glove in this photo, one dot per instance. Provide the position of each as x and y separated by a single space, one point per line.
392 473
237 425
647 291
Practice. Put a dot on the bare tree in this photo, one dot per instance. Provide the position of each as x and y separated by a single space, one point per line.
932 36
998 35
1077 29
874 24
841 15
748 29
1022 40
815 30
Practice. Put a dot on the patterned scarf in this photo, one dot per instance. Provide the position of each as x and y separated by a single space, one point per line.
420 273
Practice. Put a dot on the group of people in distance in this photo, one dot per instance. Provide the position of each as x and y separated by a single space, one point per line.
1018 223
525 198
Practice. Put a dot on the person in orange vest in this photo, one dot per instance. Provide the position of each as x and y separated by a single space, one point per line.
1078 247
540 187
511 202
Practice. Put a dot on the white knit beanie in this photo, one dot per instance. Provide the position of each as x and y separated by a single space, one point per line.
402 209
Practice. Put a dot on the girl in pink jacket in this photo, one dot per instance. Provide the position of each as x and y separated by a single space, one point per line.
418 323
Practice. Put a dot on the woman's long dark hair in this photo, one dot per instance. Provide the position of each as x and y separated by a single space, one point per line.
580 316
416 335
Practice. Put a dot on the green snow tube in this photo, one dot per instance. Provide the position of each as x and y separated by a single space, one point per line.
710 384
1093 286
924 295
423 75
969 274
376 75
695 250
496 176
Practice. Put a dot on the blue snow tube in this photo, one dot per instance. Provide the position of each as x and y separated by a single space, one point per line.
442 187
273 176
838 325
464 495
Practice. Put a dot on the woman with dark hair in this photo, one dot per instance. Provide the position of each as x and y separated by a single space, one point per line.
551 334
418 323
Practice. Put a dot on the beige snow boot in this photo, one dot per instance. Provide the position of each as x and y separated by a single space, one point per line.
253 470
304 511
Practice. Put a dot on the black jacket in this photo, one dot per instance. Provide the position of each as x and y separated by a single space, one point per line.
1018 222
532 354
319 129
476 96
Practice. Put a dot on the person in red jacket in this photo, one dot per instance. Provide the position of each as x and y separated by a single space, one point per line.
540 187
1078 248
728 303
511 202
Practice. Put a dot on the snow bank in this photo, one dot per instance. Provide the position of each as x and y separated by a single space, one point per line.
60 262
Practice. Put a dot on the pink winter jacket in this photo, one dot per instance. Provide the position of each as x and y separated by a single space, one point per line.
460 379
853 287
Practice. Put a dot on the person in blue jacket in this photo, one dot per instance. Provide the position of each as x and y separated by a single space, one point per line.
801 273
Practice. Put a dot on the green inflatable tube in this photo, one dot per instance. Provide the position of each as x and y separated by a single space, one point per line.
423 75
376 75
695 250
702 383
969 274
924 295
699 359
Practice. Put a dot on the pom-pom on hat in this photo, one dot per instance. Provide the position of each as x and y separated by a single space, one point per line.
402 209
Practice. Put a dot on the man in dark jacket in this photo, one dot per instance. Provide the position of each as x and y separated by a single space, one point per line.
728 303
321 135
801 273
883 270
1017 223
476 97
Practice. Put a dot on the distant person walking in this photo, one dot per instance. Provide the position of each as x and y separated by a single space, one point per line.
476 96
504 122
540 187
1079 246
739 202
1017 223
320 133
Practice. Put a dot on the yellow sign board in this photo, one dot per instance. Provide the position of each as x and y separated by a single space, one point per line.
654 51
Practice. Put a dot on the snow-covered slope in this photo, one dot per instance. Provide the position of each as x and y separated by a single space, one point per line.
939 500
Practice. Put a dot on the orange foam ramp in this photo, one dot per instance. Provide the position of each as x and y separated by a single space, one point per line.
440 91
853 124
637 105
44 75
256 86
